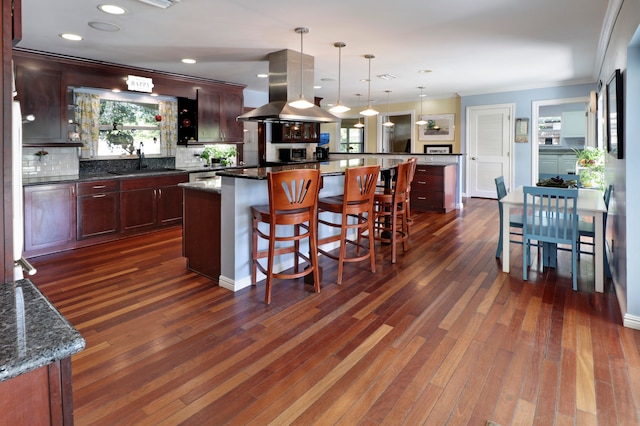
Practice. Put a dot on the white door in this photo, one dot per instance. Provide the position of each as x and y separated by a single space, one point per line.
489 134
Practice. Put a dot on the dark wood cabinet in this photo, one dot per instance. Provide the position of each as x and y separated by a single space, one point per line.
41 93
217 112
434 188
50 218
201 232
295 132
98 208
187 121
151 202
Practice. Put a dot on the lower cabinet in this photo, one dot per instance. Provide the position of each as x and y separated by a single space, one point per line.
201 232
150 202
434 188
64 216
49 218
98 208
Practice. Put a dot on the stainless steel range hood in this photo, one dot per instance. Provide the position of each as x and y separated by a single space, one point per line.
284 86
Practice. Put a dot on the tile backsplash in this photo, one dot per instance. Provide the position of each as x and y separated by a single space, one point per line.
57 162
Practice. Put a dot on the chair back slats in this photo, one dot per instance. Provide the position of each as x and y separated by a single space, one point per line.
293 189
550 214
501 189
360 183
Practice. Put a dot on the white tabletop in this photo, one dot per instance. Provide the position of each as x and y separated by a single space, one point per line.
589 200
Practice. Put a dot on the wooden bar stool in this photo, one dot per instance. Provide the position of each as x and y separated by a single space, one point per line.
355 208
293 202
391 211
414 163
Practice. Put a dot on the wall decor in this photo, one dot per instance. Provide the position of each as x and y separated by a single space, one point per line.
615 125
438 149
439 127
522 130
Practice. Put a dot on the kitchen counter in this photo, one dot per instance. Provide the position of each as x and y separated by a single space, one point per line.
33 332
88 177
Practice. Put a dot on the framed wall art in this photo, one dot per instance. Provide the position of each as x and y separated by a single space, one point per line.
438 149
614 111
439 127
522 130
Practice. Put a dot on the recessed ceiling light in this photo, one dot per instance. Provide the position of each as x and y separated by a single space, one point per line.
188 61
424 71
317 87
72 37
387 76
262 75
104 26
112 9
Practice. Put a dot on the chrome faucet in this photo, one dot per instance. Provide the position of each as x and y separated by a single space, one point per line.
140 152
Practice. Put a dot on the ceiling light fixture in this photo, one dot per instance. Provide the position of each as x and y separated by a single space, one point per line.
163 4
388 123
71 37
359 124
369 111
421 121
339 108
188 61
112 9
104 26
301 102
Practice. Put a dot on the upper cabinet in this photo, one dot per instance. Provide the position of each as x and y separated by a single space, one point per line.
41 93
217 112
574 124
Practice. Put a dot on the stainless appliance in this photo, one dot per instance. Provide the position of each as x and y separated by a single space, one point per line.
322 153
292 154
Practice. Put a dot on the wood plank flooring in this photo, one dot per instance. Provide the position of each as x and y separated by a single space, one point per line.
441 337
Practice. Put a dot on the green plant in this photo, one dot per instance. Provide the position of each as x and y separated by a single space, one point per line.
223 152
589 157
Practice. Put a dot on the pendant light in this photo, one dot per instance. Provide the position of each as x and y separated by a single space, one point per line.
421 121
359 124
338 108
388 123
369 111
301 102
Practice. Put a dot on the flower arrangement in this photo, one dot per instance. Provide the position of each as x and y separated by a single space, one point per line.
590 167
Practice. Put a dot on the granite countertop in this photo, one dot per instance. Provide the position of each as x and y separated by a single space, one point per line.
327 168
33 332
88 177
209 185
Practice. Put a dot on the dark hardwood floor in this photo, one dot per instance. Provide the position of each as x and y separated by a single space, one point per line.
441 337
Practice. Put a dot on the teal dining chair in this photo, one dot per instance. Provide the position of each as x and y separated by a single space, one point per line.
515 220
587 229
550 217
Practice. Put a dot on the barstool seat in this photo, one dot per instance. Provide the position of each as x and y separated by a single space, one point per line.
293 203
355 207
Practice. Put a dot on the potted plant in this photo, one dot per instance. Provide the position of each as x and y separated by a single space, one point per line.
590 167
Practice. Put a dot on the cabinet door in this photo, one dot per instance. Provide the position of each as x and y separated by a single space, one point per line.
40 93
209 117
97 214
138 209
574 124
49 218
548 164
567 164
233 130
169 205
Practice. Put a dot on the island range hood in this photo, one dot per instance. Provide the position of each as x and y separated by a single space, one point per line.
284 86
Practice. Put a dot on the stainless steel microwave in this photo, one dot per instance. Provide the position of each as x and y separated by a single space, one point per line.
292 154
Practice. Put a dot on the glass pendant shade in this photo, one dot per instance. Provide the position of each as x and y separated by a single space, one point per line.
421 121
388 123
359 124
301 102
369 111
339 108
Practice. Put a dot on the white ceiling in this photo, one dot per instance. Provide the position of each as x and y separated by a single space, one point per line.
471 46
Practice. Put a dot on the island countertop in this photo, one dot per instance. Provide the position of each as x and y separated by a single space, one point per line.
33 332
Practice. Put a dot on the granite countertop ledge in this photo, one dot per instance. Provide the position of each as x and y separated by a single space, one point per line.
33 333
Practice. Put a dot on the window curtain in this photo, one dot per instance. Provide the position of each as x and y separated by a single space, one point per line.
88 120
169 126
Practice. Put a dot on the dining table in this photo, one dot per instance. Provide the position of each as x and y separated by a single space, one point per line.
590 203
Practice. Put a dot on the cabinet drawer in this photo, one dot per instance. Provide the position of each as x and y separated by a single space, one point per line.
153 181
427 183
98 187
429 170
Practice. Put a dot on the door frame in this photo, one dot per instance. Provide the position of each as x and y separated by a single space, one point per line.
511 107
535 115
380 128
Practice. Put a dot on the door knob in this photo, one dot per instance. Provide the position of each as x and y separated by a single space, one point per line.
473 158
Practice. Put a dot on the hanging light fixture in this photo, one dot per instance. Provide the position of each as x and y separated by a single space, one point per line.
369 111
388 123
301 102
359 124
338 108
421 121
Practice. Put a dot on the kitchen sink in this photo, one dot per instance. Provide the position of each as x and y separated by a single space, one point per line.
142 171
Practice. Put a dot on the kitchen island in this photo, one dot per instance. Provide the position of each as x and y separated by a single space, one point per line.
36 345
244 187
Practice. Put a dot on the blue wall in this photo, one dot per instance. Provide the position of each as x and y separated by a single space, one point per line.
522 100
